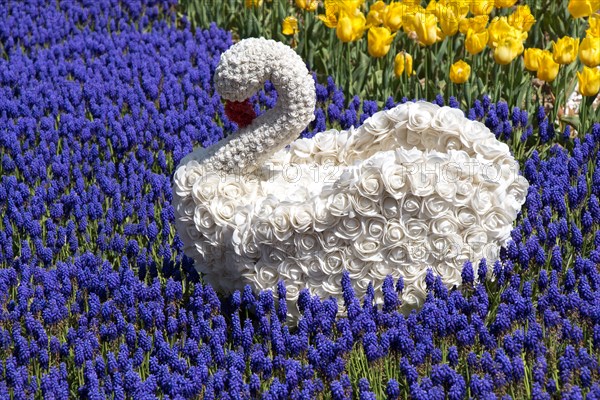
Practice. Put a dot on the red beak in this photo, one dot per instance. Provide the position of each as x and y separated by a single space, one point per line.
240 112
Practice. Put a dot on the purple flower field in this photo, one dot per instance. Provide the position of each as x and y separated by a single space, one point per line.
100 100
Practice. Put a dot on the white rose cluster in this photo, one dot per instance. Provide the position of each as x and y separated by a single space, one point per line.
414 187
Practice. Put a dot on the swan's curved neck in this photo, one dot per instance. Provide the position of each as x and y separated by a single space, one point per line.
253 145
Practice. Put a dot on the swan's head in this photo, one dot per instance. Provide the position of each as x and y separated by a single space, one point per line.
243 69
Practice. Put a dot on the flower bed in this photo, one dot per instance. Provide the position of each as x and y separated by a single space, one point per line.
97 300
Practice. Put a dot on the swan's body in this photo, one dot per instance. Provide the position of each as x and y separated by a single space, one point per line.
414 187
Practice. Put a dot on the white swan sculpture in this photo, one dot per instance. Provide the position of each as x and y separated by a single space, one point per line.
414 187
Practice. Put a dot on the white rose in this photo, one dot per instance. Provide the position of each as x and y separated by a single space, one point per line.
339 204
262 230
420 115
497 224
450 274
185 208
394 177
491 148
398 113
394 234
329 240
466 217
266 276
410 205
223 211
464 191
301 150
360 141
378 124
447 190
374 226
449 142
369 183
280 221
186 176
419 251
264 207
491 252
434 206
423 182
232 188
367 248
333 262
481 201
348 228
416 229
323 218
301 217
357 269
380 270
333 286
312 267
325 141
444 224
244 244
306 243
398 255
364 206
448 119
205 188
290 270
292 291
390 208
476 238
445 247
473 131
272 256
204 220
518 189
190 234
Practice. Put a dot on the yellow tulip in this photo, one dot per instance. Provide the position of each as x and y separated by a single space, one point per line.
253 3
589 81
448 20
507 50
476 41
375 15
333 8
522 18
459 72
498 29
547 69
504 3
532 57
379 40
424 26
308 5
589 51
350 26
289 26
477 23
481 7
460 8
564 51
394 15
583 8
594 23
403 62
